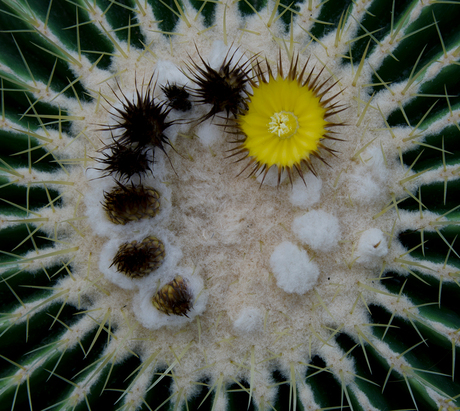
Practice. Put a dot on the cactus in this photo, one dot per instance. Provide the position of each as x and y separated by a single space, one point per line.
334 292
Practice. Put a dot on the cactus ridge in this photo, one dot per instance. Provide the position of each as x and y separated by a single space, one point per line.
380 328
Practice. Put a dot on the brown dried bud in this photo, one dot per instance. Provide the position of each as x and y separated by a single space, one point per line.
174 298
138 259
125 204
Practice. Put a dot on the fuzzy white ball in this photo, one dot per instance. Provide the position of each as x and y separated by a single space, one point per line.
168 72
372 246
306 194
318 229
367 183
294 271
208 133
363 187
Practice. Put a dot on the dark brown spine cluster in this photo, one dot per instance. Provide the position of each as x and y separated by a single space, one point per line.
131 203
178 97
140 128
123 162
223 89
138 259
174 298
143 121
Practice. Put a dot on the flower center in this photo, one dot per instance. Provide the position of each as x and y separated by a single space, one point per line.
284 124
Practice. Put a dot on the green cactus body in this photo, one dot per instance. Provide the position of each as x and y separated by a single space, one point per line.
377 326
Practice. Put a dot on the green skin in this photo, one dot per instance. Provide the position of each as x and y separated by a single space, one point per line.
436 356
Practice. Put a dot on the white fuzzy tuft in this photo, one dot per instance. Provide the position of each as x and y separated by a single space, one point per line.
209 133
367 184
374 159
294 271
372 246
220 52
168 72
362 187
249 321
317 229
305 196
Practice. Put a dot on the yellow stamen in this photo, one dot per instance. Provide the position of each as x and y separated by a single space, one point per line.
284 124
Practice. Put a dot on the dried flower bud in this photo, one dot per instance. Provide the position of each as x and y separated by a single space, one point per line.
125 204
174 298
138 259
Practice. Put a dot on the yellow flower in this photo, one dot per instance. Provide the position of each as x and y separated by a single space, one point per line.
285 120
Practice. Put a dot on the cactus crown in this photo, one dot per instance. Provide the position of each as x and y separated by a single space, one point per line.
337 289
